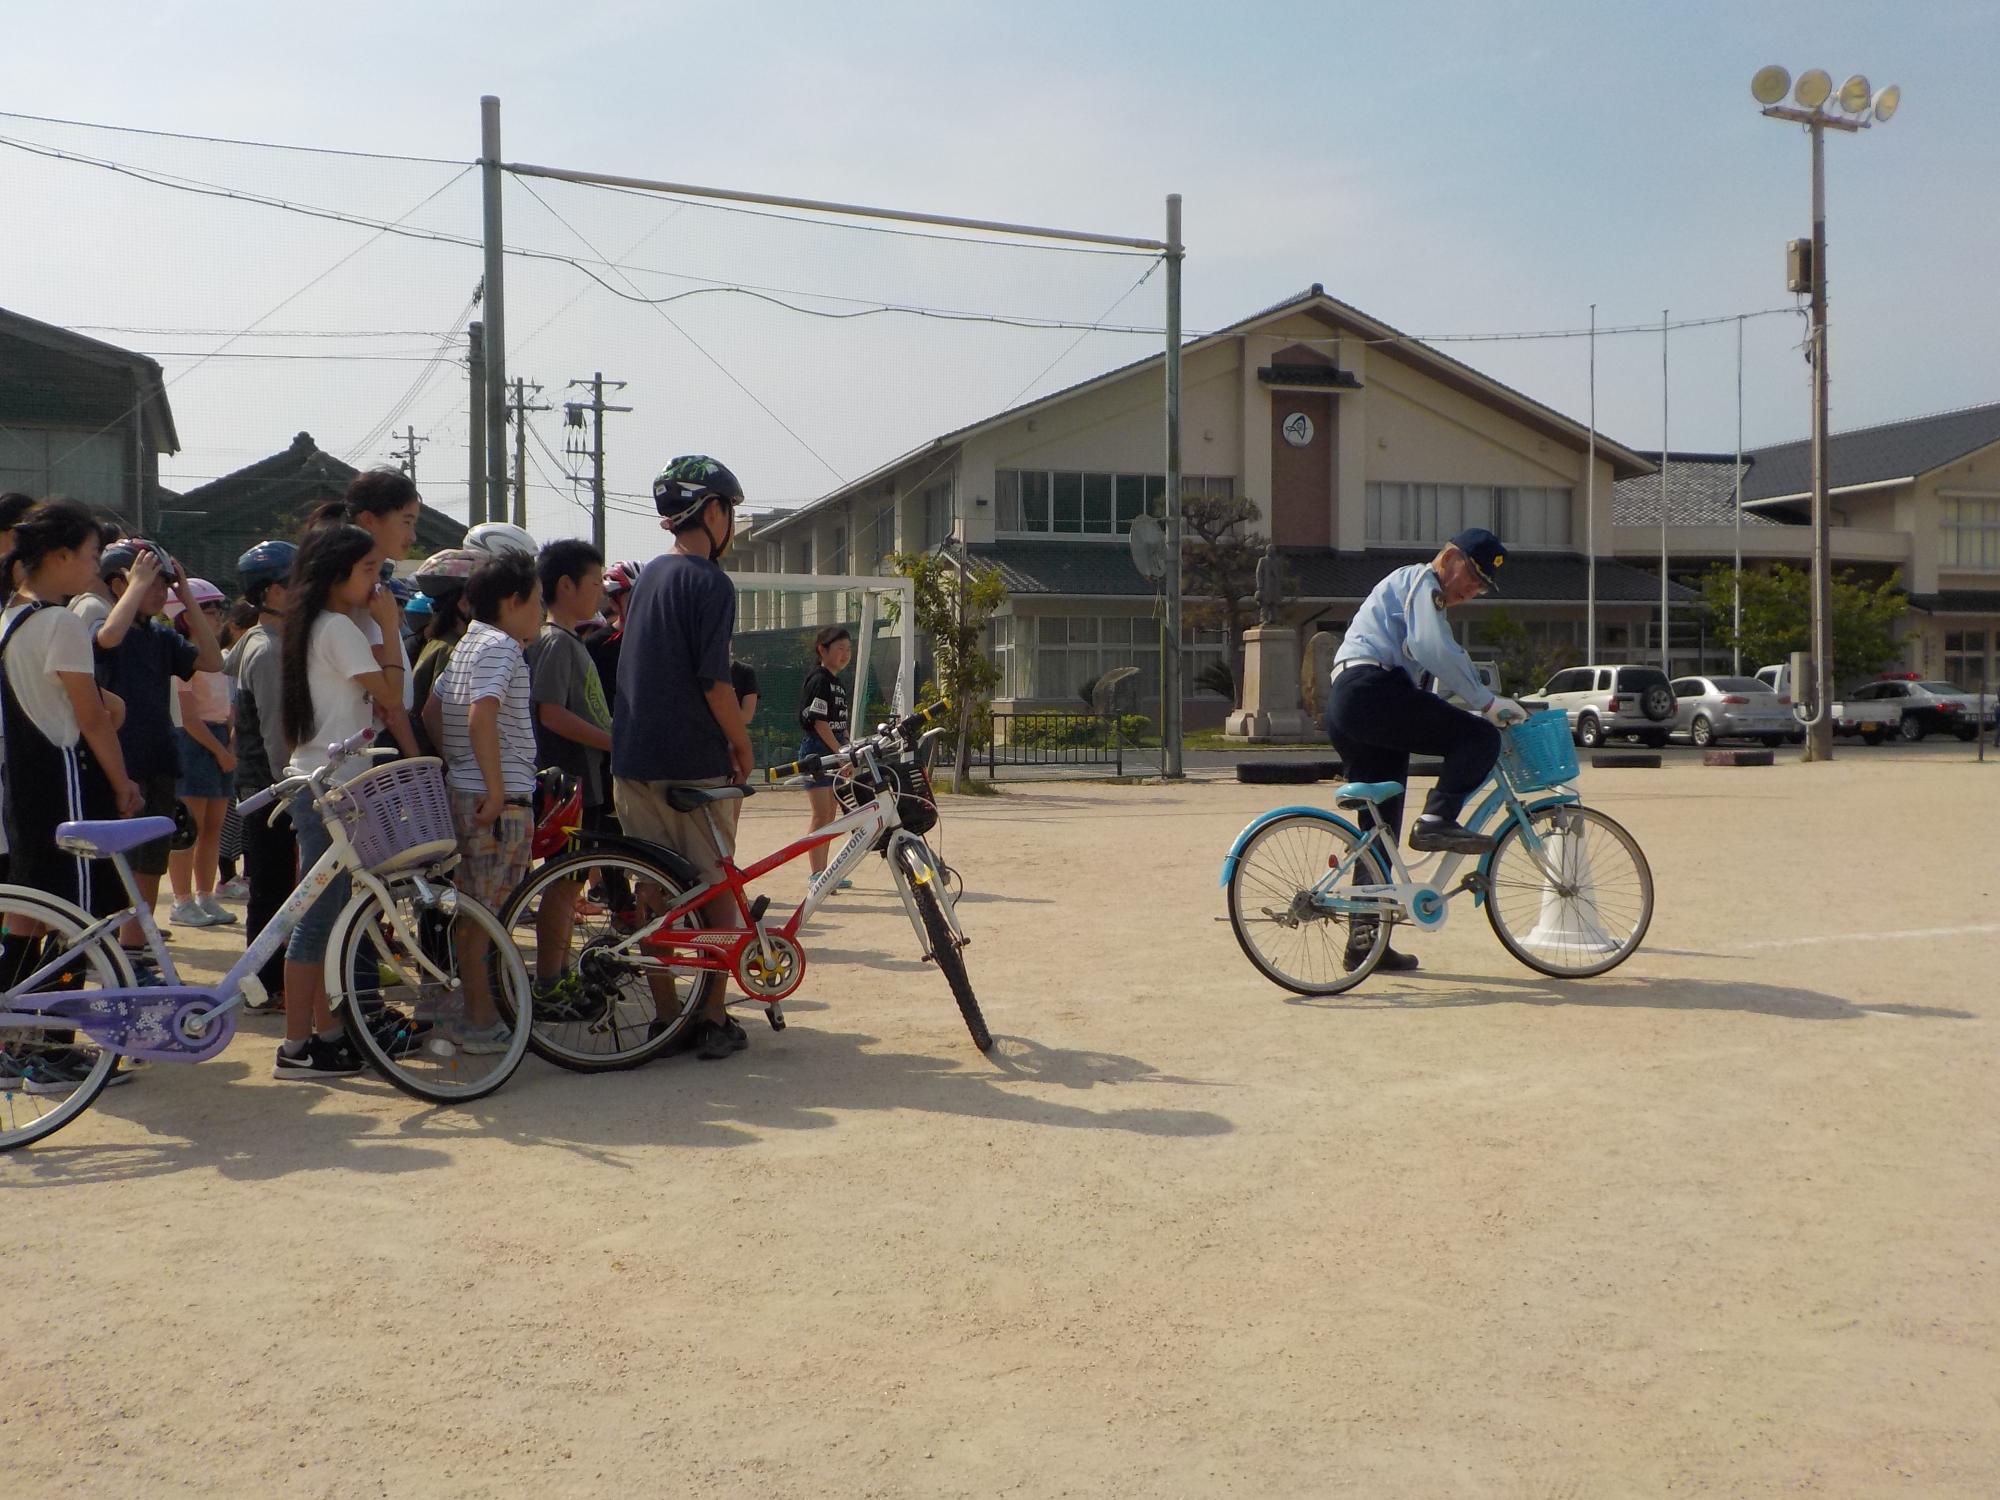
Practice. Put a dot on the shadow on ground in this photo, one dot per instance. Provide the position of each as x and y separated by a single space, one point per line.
1627 993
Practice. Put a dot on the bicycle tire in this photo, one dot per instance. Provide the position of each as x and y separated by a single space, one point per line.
1282 861
432 1067
1587 927
19 1124
566 1043
945 951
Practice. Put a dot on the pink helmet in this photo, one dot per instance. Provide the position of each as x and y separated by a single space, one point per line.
204 593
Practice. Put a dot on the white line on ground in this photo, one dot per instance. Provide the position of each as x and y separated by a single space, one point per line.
1874 937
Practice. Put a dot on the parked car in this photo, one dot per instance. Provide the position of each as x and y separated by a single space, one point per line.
1871 720
1608 703
1707 709
1928 707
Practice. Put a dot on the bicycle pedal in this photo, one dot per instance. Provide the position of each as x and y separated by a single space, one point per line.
775 1014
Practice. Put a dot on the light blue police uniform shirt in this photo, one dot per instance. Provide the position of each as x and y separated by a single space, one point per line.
1401 624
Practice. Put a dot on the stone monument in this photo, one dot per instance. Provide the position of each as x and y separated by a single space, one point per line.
1270 713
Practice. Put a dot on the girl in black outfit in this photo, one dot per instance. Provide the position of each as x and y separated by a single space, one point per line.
823 722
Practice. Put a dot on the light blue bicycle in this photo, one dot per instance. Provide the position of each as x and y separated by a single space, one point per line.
1567 889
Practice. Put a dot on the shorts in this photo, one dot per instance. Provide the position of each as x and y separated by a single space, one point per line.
161 790
491 860
644 814
307 944
201 773
812 744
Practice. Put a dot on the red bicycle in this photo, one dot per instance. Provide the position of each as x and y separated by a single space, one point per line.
638 962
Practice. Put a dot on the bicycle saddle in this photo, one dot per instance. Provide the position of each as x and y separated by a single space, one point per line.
98 838
1366 793
687 798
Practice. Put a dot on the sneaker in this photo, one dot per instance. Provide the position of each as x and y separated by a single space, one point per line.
190 913
480 1041
845 885
719 1039
565 1000
55 1071
319 1060
219 914
234 890
397 1032
145 969
1434 834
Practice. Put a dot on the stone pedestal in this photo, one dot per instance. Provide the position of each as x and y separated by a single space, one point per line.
1270 712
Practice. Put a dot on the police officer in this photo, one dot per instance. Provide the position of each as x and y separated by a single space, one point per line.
1379 709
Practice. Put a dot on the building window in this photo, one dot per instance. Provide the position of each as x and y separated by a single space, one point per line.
836 555
1055 657
934 511
878 539
1429 514
1062 502
1965 659
1969 534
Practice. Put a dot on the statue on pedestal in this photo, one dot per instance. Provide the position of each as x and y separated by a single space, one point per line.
1270 585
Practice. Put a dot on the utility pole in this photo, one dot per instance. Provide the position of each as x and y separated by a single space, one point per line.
518 407
475 441
406 456
495 301
573 414
1171 689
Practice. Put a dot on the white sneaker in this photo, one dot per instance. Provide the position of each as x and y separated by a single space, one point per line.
234 890
480 1041
218 913
190 913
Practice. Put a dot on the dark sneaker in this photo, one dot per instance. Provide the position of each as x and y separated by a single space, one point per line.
719 1039
398 1033
145 970
1360 938
565 1000
319 1061
55 1071
1433 834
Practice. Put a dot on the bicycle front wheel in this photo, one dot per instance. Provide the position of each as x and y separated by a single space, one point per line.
50 1074
601 1003
1582 906
1282 920
432 993
924 882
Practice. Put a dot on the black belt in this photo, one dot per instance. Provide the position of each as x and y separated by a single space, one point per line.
520 802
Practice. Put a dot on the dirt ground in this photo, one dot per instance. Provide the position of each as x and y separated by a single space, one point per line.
1722 1223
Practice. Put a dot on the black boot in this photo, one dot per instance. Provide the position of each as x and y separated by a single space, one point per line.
1446 834
1360 938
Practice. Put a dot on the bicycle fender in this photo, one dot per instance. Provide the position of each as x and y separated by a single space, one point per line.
1485 869
1236 849
675 864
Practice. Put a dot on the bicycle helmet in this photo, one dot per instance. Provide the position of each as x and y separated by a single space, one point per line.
121 554
402 588
204 593
620 577
419 605
496 537
446 570
686 484
267 562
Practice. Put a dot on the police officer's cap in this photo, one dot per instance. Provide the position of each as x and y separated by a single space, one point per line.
1485 551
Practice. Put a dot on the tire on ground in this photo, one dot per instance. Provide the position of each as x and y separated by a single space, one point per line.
1277 772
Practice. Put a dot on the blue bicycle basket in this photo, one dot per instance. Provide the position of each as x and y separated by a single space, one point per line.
1538 754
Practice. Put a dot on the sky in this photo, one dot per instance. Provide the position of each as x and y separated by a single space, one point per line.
1448 168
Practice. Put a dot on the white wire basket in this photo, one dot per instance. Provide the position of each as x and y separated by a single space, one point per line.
397 816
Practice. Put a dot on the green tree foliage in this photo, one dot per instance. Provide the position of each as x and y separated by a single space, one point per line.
1219 553
1777 617
1524 663
952 611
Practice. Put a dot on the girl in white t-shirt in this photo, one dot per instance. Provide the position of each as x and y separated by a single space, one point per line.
334 685
385 504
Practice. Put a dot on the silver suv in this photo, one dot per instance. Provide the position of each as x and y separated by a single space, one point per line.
1608 703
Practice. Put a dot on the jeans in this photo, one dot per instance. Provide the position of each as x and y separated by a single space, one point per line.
309 938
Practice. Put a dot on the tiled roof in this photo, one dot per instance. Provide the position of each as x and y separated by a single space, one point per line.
1701 491
1959 602
1099 569
1894 450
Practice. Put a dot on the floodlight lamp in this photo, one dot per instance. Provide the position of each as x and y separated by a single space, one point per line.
1814 86
1886 102
1855 95
1770 85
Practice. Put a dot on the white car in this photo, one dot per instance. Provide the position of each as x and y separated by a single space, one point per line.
1608 703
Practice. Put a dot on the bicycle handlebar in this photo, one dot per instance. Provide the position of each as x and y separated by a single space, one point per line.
336 752
887 737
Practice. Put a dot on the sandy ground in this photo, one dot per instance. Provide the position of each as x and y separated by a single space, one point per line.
1722 1223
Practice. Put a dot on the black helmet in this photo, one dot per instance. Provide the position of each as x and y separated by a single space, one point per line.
686 484
267 562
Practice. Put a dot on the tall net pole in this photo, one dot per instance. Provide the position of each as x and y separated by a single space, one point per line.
1590 508
495 305
1171 692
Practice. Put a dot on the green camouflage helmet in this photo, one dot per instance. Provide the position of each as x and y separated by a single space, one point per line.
688 483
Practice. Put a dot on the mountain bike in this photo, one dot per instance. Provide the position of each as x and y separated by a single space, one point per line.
617 986
392 970
1566 889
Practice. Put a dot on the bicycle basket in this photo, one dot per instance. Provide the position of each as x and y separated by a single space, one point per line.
916 801
398 816
1538 754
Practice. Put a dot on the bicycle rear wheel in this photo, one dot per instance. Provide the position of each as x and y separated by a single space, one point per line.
924 881
601 1004
1284 927
1587 911
448 1036
51 1074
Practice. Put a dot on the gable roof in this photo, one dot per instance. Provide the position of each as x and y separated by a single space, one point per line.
67 359
1701 491
1315 302
1872 455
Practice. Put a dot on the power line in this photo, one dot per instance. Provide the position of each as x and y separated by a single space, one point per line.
277 333
389 359
223 140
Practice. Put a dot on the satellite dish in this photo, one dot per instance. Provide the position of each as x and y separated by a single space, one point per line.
1855 95
1149 547
1886 102
1815 84
1770 85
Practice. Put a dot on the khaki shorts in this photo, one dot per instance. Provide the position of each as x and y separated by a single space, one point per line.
494 858
644 814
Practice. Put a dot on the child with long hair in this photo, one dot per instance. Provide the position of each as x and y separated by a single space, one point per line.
335 684
823 726
385 504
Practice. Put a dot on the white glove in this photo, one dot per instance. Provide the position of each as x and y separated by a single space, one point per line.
1506 711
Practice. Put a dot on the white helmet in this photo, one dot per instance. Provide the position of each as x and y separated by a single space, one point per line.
496 538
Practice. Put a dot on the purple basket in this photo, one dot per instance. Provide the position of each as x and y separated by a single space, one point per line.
398 816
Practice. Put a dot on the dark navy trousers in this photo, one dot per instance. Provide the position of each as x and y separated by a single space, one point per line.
1376 717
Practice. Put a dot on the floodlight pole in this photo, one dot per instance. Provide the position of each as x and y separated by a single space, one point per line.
495 304
1666 658
1736 612
1171 691
1590 508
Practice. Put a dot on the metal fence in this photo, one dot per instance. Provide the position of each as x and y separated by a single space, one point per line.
1052 739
